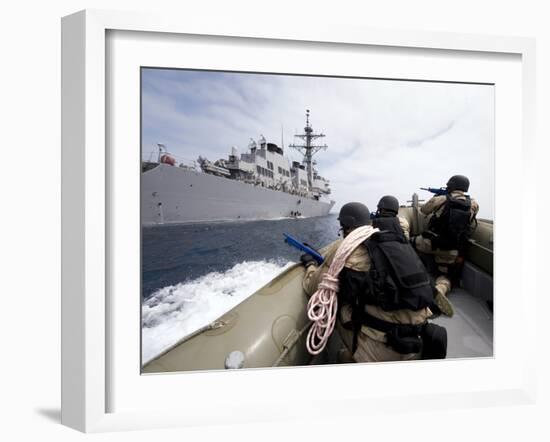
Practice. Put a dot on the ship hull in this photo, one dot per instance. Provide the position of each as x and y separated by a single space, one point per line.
177 195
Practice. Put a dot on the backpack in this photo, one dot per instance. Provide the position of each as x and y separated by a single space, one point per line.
453 227
397 278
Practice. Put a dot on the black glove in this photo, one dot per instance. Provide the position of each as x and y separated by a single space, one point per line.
306 259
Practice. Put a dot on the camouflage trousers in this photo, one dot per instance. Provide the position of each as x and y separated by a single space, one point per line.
443 259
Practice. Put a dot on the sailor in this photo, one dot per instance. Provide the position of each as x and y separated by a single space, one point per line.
387 218
384 295
453 219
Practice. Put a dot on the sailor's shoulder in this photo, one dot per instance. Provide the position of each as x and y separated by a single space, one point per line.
460 195
433 204
437 199
330 250
403 222
359 259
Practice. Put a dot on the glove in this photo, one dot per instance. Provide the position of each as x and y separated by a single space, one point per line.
307 260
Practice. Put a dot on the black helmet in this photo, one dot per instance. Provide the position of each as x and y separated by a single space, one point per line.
389 203
458 182
354 215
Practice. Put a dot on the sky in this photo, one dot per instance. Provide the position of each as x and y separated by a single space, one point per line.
383 136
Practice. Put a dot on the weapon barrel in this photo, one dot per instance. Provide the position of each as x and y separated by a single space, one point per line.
300 246
435 190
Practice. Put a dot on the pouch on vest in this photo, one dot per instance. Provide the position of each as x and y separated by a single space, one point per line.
399 275
452 227
434 338
351 282
390 223
402 338
401 343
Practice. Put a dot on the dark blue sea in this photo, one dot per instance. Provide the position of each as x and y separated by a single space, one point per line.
172 254
194 273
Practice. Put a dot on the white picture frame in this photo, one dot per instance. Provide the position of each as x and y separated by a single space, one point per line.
87 318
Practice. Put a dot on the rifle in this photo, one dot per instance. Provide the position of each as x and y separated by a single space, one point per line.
304 248
435 190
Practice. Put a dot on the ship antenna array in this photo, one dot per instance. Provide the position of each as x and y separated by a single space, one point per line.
160 147
308 149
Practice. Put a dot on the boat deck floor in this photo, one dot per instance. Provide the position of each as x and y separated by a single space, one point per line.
470 330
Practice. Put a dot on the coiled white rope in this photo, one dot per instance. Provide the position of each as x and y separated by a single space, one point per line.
323 305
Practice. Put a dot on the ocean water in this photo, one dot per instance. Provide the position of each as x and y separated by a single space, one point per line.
194 273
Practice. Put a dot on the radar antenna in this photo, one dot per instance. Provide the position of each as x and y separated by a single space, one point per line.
161 147
308 149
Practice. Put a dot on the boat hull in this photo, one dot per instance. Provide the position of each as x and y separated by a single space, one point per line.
268 328
261 327
177 195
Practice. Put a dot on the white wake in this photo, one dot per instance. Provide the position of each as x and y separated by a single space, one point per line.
176 311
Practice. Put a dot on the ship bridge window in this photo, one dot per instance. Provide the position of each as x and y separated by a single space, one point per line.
280 169
283 172
264 172
270 165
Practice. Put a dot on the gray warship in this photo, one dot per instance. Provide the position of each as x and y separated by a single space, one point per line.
259 184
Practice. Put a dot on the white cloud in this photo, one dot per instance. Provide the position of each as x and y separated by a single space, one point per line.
384 137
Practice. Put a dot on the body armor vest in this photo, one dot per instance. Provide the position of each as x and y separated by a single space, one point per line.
396 280
453 227
390 223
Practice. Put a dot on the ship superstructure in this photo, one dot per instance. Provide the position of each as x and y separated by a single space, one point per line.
261 183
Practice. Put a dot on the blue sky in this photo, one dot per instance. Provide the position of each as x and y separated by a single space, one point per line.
383 136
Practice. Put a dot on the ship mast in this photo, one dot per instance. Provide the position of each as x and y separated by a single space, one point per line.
308 149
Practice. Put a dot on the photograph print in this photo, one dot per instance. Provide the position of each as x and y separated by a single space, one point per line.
296 220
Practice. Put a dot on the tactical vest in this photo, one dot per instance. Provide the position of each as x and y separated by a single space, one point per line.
397 278
453 226
390 223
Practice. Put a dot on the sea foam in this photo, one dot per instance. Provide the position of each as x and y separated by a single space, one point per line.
176 311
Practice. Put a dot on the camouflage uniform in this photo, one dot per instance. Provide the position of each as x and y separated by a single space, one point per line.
405 226
443 258
371 343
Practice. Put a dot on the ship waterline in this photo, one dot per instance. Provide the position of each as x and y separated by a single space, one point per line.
176 195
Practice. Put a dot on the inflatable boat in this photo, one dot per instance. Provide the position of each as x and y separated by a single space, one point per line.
269 328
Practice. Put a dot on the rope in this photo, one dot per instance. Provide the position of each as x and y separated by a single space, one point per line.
323 305
289 345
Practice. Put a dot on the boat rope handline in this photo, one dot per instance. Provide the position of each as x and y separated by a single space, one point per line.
289 345
323 304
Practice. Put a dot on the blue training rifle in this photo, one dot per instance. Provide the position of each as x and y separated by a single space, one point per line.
304 248
435 190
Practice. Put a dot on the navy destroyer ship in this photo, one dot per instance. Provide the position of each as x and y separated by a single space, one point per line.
259 184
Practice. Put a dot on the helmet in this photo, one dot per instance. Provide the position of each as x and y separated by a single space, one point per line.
354 215
389 203
458 182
